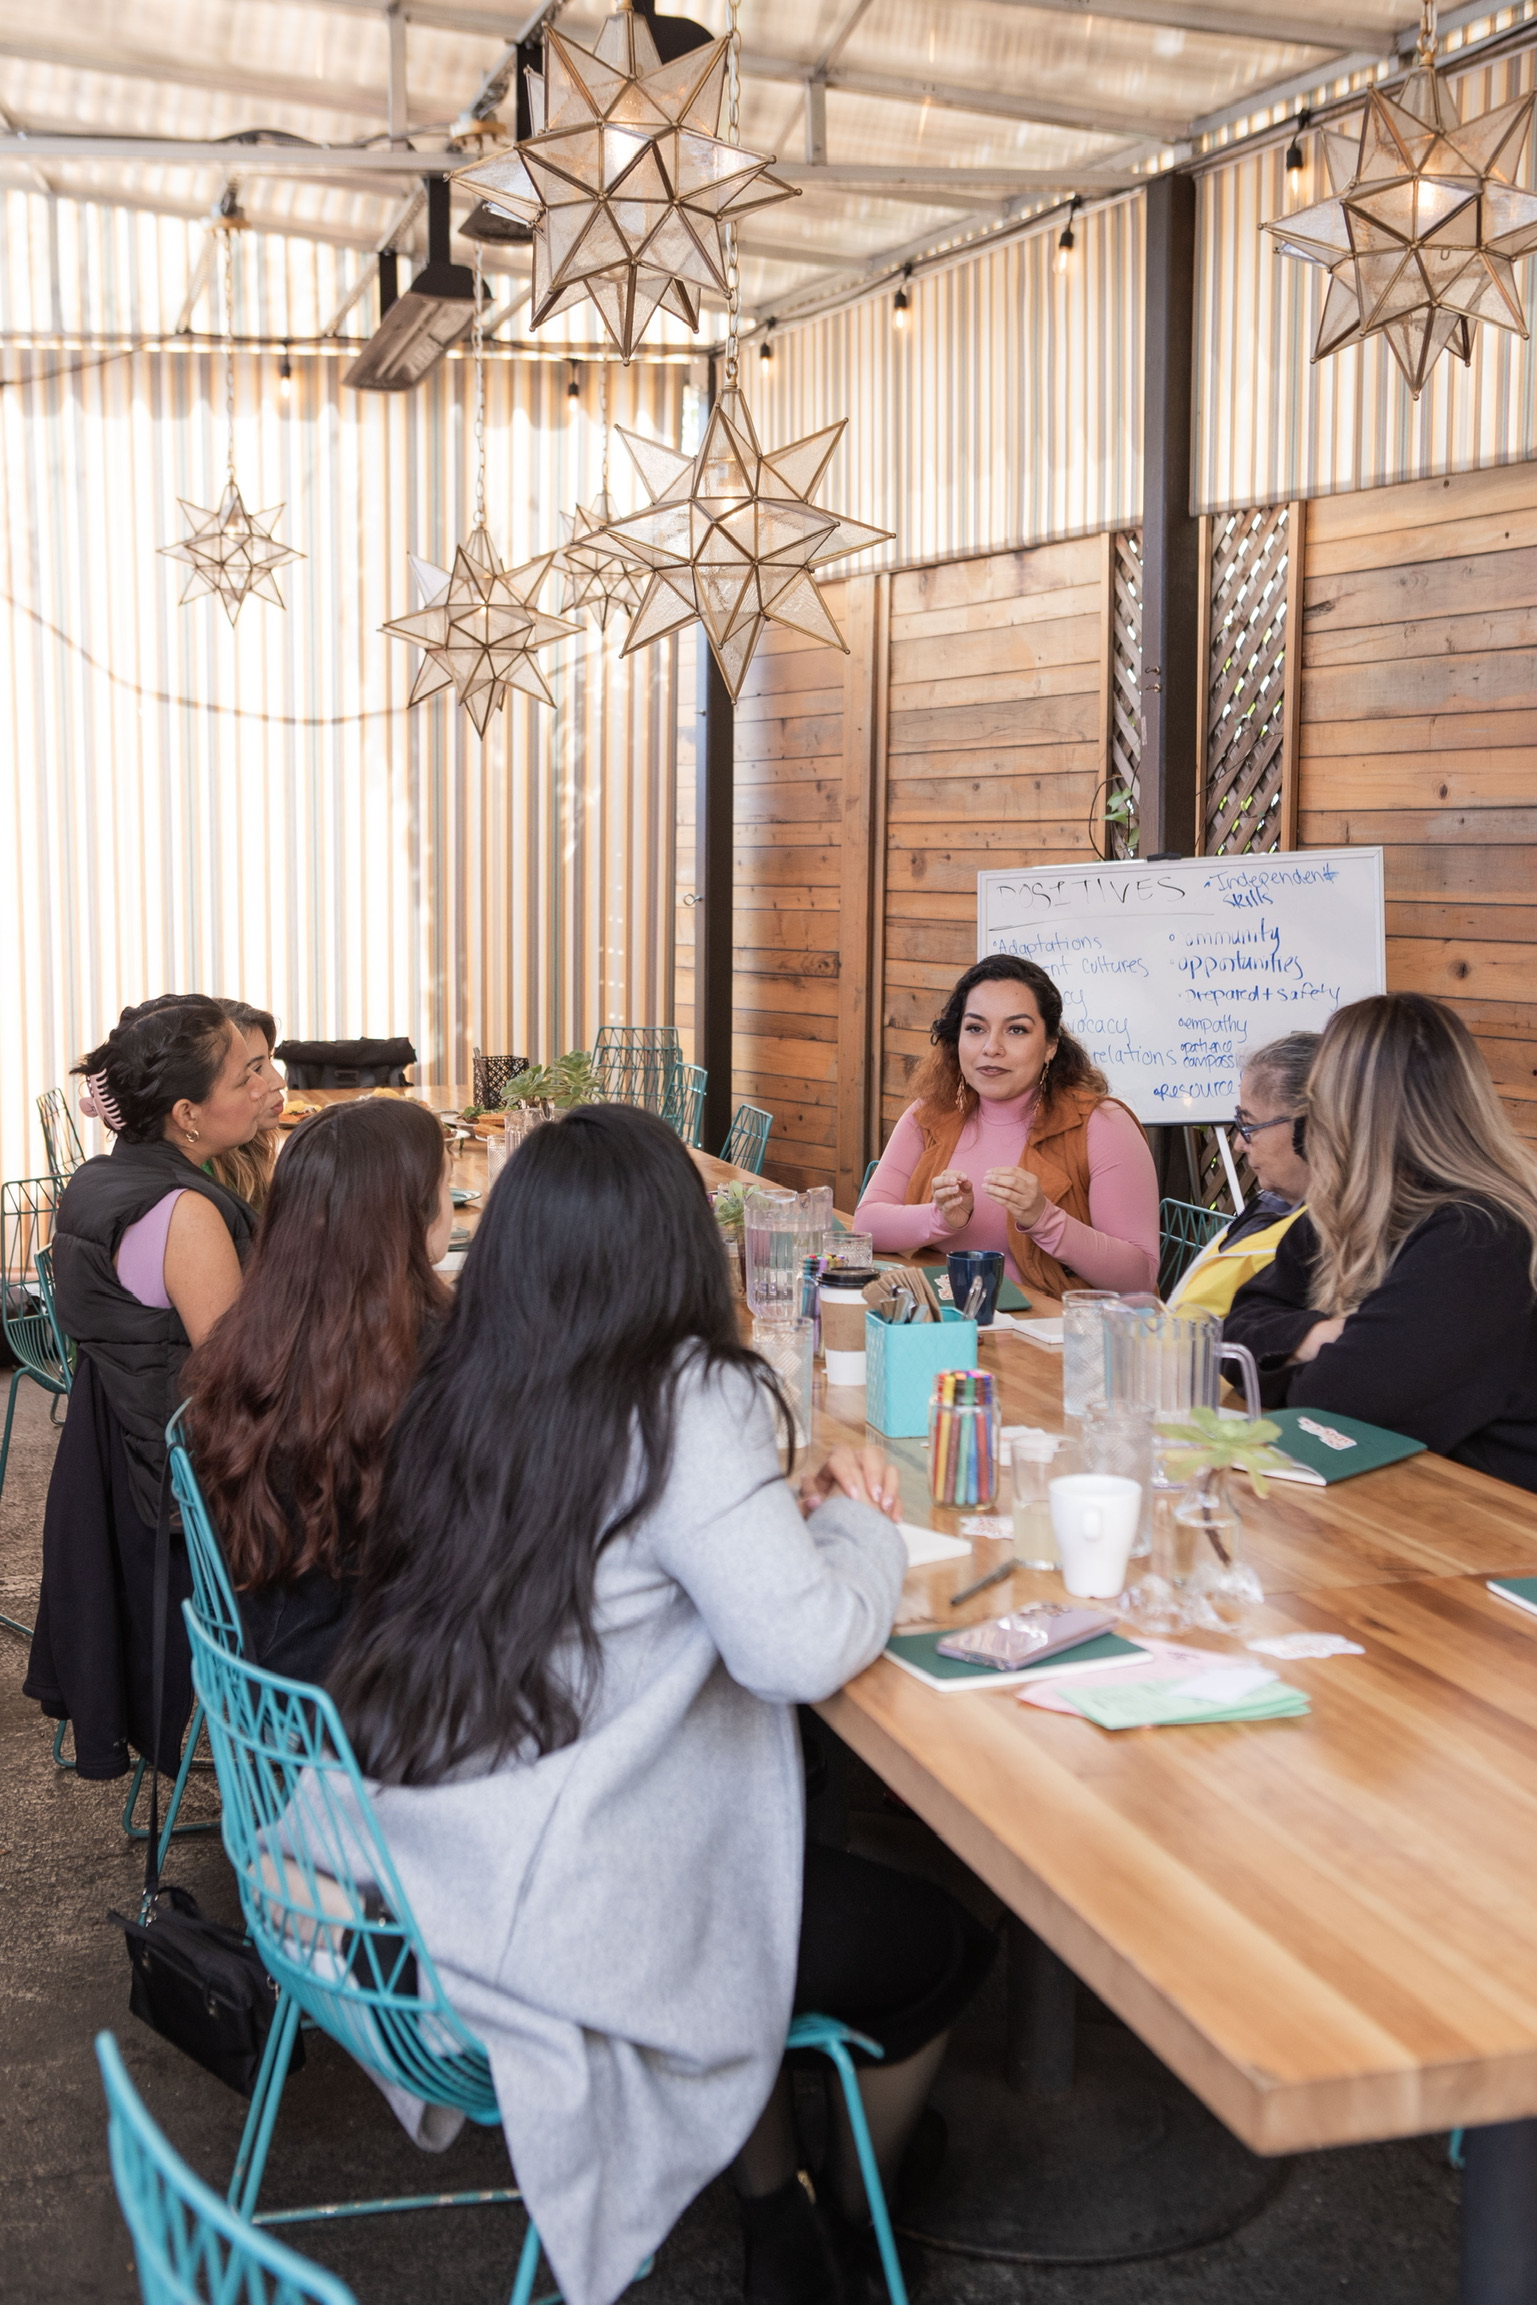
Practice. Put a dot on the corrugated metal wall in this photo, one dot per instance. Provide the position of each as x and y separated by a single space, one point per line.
1007 411
1269 426
255 812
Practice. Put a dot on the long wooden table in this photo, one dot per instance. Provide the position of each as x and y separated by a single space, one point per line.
1326 1927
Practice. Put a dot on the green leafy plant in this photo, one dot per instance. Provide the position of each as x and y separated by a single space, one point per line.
726 1200
1208 1442
571 1080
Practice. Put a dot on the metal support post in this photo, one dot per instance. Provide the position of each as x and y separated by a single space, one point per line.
1171 561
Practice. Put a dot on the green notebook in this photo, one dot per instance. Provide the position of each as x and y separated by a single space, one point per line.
918 1654
1520 1591
1325 1447
1154 1705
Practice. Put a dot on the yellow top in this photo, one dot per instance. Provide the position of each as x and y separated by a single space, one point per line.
1219 1272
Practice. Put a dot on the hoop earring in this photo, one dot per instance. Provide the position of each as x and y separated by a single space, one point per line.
191 1135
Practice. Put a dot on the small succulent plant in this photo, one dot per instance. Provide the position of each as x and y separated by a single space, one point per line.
1205 1441
571 1080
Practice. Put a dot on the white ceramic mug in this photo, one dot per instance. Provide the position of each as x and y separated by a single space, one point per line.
1095 1518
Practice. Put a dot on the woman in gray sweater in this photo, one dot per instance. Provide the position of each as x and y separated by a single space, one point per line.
589 1609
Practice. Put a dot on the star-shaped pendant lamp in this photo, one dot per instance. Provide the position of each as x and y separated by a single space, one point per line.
627 185
479 623
1421 236
231 553
606 583
731 537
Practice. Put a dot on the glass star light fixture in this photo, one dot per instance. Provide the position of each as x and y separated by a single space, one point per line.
1425 224
231 553
607 582
479 624
626 183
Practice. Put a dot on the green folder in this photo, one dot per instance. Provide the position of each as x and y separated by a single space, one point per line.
919 1654
1153 1705
1323 1462
1522 1591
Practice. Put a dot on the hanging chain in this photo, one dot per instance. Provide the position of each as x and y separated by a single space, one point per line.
603 418
478 347
1426 49
733 136
228 238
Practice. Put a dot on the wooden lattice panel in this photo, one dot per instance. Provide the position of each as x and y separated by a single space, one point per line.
1246 690
1124 764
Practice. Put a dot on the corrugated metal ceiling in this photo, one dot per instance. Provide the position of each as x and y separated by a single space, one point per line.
1046 95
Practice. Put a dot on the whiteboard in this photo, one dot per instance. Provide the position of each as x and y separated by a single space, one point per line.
1169 972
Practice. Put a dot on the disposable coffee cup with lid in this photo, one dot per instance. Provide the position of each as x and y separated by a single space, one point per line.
843 1326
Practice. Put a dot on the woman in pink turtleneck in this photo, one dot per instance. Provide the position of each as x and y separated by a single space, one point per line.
997 1044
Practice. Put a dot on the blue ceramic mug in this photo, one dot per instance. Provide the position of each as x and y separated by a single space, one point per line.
966 1267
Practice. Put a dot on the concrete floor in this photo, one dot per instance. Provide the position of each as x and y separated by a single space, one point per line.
1375 2225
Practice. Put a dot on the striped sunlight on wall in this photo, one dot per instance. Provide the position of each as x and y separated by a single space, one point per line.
255 812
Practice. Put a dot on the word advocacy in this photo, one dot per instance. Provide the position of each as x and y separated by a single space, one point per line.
1169 972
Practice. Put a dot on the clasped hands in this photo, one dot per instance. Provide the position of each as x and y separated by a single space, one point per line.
1018 1191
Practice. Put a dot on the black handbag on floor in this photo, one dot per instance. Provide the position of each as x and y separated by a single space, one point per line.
199 1985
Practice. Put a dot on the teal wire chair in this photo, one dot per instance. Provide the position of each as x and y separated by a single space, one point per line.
638 1064
684 1110
747 1138
301 1834
870 1169
190 2249
26 1318
1183 1231
61 1138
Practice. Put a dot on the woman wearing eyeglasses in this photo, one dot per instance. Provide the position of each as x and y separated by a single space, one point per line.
1272 1088
1406 1293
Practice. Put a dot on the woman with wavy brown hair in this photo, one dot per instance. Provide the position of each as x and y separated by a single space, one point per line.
1016 1143
1407 1293
247 1169
294 1394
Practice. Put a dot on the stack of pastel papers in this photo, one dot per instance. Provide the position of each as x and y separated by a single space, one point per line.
1164 1692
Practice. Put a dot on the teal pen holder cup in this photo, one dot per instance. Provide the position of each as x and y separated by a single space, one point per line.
902 1363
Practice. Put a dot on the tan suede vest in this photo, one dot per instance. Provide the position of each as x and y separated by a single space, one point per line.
1058 1153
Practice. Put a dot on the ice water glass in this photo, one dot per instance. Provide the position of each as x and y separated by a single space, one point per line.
1083 1348
1032 1462
1119 1439
788 1347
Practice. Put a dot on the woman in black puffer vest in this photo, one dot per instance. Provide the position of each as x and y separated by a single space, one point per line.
147 1250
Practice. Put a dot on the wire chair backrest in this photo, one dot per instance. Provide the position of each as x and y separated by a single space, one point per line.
42 1265
190 2247
685 1106
1184 1228
318 1887
638 1064
26 1225
212 1592
490 1075
747 1138
60 1136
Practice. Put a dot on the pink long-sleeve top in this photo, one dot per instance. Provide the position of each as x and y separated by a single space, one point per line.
1117 1249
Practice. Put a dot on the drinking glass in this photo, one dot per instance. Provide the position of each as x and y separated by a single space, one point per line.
850 1253
1118 1438
787 1346
1083 1348
1032 1460
497 1149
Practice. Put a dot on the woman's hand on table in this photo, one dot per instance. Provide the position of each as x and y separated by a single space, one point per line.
953 1198
1320 1334
864 1474
1019 1192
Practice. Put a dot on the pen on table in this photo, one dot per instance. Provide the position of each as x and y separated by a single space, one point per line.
994 1577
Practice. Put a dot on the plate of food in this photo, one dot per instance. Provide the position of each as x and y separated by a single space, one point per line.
296 1109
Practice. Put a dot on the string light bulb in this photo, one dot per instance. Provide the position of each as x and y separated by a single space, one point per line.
899 301
766 348
1296 158
1066 240
285 375
574 387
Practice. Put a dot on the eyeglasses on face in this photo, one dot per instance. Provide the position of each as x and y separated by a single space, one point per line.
1247 1130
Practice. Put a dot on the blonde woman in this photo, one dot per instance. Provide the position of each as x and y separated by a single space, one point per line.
1407 1293
247 1169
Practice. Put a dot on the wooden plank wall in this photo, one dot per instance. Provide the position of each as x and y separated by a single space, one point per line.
996 742
1418 732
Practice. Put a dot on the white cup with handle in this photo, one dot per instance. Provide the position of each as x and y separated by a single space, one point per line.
1095 1517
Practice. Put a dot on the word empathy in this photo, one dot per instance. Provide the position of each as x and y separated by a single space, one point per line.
1421 236
731 538
628 188
479 626
231 553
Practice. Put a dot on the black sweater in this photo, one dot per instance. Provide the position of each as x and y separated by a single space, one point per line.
1445 1350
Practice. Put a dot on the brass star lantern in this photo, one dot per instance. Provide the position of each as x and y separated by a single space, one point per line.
479 624
231 553
605 582
626 183
731 536
1425 224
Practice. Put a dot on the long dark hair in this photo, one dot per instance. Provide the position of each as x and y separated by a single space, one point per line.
294 1392
940 1086
156 1054
541 1428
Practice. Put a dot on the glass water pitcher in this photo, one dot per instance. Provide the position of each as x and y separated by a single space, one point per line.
779 1229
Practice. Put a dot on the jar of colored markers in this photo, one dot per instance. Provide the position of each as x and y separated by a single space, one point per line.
963 1438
